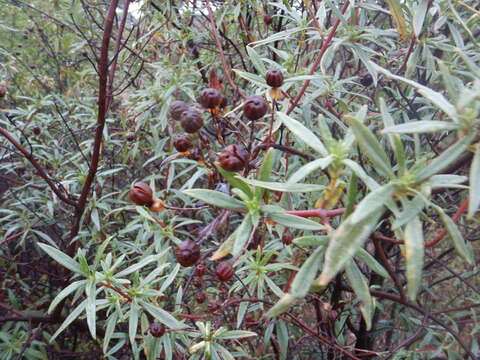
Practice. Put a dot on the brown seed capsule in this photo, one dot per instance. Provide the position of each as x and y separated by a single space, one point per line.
274 78
36 130
141 194
255 107
182 143
267 19
177 108
197 282
287 237
233 157
157 206
157 329
224 271
366 80
200 297
191 121
187 253
210 98
195 154
131 137
200 270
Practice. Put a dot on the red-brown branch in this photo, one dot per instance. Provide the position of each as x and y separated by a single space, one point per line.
320 213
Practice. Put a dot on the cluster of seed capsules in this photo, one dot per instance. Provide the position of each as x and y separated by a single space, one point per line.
232 158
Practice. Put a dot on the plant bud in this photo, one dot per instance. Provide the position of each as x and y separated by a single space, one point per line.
255 107
191 121
287 237
200 297
224 271
267 19
233 158
182 143
366 79
274 78
141 194
210 98
177 108
36 130
200 270
187 253
157 329
157 206
197 282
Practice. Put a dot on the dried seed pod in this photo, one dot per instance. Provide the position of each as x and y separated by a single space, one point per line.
200 270
274 78
267 19
255 107
233 157
182 143
141 194
224 271
157 206
287 237
157 329
187 253
191 121
200 297
366 79
210 98
36 130
177 108
197 282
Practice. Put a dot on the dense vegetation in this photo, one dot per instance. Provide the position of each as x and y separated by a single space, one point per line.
239 179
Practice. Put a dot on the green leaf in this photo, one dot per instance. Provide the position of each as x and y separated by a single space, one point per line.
306 169
90 308
236 334
64 293
303 133
311 240
284 187
256 60
111 323
414 252
162 316
133 321
372 202
70 318
421 127
459 243
344 243
216 198
307 273
296 222
371 262
372 148
444 159
360 287
394 139
243 234
411 208
474 203
230 176
357 169
137 266
62 258
397 14
265 171
419 13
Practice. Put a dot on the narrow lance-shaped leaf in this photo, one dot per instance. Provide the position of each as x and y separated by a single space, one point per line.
296 222
444 159
395 140
306 169
397 14
474 202
64 293
265 172
62 258
414 252
462 247
344 243
242 235
372 148
284 187
372 202
232 180
303 133
421 127
162 316
70 318
216 198
360 287
371 262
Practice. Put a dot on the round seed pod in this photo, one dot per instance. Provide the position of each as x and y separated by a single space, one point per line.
191 121
182 143
224 271
197 282
141 194
36 130
210 98
366 79
157 329
255 107
187 253
177 108
274 78
287 237
200 270
233 157
267 19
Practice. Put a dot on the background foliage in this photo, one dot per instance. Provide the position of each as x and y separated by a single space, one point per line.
373 170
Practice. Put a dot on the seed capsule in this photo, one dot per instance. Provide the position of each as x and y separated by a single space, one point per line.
191 121
274 78
200 297
224 271
267 19
200 270
210 98
366 80
233 157
187 253
141 194
255 107
157 329
177 108
287 237
182 143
